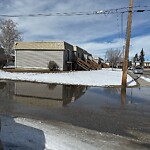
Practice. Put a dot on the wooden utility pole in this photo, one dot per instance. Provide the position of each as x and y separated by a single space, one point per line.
125 64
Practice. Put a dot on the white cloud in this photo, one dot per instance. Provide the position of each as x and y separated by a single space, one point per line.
79 30
136 46
141 42
99 49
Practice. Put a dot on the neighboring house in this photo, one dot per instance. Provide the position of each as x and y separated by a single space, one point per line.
38 54
119 64
147 64
82 54
105 64
98 60
137 63
84 60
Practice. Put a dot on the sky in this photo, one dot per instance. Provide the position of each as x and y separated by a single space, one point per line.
95 33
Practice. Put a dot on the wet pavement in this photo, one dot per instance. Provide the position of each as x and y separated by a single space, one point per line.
104 110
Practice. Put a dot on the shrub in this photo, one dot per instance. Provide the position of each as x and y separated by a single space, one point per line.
3 63
53 66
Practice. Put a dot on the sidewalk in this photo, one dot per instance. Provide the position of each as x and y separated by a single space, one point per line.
137 78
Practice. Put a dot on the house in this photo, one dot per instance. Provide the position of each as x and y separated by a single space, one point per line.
80 54
38 54
84 60
147 64
98 60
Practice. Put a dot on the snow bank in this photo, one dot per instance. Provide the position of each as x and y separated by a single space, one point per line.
104 77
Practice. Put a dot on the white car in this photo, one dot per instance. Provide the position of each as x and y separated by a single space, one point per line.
138 70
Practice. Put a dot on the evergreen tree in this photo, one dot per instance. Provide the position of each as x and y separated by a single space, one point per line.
141 57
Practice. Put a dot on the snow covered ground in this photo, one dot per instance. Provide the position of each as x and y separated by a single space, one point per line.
146 79
105 77
28 134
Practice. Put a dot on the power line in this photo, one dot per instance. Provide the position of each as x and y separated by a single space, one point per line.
122 29
99 12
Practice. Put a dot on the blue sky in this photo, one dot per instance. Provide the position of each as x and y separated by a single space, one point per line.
95 33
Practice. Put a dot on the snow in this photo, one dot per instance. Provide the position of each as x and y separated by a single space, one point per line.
24 134
27 134
146 79
105 77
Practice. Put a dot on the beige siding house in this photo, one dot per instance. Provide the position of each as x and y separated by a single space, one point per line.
38 54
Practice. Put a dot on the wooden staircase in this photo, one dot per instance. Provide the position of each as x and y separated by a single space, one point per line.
94 65
104 65
88 64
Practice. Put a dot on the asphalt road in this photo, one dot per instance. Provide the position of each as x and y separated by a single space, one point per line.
146 72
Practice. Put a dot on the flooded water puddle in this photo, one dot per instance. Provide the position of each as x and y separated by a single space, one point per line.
96 108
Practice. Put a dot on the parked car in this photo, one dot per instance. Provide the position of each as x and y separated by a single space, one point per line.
138 70
130 68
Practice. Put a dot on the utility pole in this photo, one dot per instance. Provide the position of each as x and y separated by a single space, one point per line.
125 64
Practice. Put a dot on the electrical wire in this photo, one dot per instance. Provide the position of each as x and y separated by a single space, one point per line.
99 12
118 26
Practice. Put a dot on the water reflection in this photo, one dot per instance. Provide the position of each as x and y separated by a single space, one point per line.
123 96
96 108
47 94
118 96
2 84
22 96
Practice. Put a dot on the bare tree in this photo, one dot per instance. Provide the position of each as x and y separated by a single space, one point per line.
113 56
9 34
